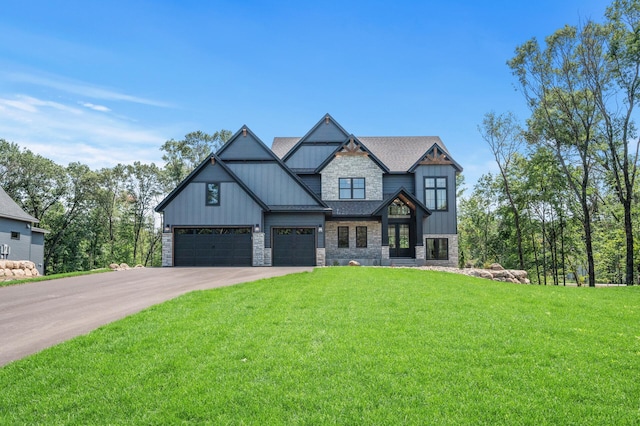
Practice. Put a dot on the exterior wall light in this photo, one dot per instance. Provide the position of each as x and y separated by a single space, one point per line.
256 228
320 228
167 228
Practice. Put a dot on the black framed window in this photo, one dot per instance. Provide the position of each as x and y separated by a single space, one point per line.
351 188
437 249
212 196
435 193
15 235
343 237
361 236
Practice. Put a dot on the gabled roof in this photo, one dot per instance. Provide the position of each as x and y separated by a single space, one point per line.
400 153
327 118
215 160
405 196
352 145
11 210
436 155
271 156
397 153
281 146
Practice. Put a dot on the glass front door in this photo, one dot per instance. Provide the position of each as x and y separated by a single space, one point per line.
399 245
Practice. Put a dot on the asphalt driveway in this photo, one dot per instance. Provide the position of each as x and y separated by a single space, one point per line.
37 315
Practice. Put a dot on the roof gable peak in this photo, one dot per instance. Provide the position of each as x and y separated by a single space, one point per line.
436 156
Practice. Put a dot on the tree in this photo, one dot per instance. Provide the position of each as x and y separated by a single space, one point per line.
182 156
504 136
565 115
610 58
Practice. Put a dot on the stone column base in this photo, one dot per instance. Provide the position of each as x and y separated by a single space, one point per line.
320 256
167 249
258 248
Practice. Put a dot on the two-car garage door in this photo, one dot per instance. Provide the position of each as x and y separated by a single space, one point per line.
212 247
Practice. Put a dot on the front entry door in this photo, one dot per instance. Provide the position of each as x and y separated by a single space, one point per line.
399 245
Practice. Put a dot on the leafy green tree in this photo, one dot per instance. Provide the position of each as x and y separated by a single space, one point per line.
565 116
184 155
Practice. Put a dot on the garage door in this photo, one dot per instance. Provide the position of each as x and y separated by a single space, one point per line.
294 247
212 247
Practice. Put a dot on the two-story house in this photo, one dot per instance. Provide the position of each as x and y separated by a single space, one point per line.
19 238
322 199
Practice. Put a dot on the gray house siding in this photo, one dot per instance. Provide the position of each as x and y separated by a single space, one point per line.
326 133
314 182
272 184
211 173
285 220
20 249
440 222
37 250
246 148
392 183
236 207
310 156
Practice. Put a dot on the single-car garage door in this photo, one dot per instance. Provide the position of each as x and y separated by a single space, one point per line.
294 247
212 247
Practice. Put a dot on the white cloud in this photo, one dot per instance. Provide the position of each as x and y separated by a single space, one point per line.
67 133
80 88
94 107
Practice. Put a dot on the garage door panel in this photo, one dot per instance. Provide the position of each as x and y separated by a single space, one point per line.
294 247
213 247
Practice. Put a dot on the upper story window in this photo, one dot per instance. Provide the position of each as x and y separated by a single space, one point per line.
351 188
435 193
212 196
15 235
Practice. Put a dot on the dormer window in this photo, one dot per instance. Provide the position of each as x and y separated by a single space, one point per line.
352 188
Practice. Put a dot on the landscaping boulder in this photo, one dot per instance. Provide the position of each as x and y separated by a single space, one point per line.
354 263
114 266
496 267
481 273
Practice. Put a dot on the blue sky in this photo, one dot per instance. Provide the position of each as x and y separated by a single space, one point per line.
107 82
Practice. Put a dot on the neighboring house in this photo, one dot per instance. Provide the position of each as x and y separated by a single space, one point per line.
322 199
17 233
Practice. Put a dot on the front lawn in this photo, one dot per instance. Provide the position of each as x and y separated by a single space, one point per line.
347 346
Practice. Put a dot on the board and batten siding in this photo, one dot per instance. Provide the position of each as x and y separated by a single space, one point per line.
391 183
236 207
314 182
272 184
326 132
440 222
295 220
310 156
246 148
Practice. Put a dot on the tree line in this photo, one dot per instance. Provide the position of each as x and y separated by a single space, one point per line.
564 200
98 217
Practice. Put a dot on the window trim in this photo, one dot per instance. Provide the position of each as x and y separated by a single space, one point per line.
435 188
436 248
351 188
15 235
341 243
358 236
206 193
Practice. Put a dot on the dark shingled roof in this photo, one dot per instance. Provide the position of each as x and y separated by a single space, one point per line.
11 210
398 153
353 208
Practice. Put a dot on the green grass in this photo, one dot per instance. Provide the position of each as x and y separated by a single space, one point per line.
52 277
347 346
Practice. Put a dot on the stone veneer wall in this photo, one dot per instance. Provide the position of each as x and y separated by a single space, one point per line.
167 249
351 166
267 256
320 256
257 239
369 255
453 250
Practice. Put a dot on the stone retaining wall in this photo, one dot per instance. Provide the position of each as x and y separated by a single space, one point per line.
16 269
